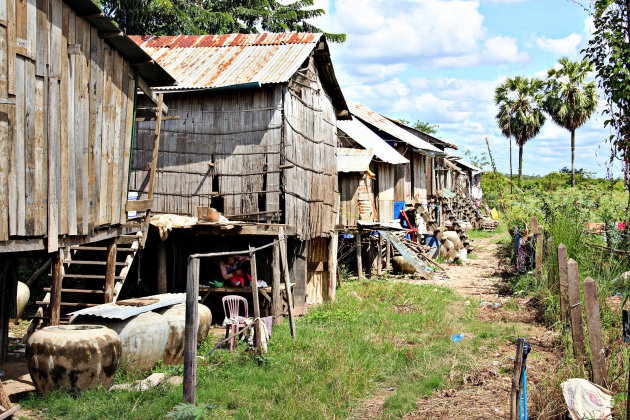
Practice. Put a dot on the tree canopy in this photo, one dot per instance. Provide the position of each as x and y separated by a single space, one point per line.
198 17
570 101
425 127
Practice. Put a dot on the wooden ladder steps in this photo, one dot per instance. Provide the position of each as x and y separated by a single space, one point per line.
82 291
86 262
41 302
87 276
99 248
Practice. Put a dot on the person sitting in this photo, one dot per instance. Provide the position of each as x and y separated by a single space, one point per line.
232 271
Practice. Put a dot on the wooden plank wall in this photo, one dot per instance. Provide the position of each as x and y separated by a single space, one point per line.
232 136
310 146
349 196
63 142
317 274
419 178
386 191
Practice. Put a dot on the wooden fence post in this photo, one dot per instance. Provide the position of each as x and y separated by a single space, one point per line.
563 280
254 285
276 297
359 256
516 379
55 287
110 271
190 331
379 256
595 338
575 302
287 280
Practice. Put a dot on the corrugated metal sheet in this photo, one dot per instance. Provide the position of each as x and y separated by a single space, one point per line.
353 160
382 123
114 311
217 61
367 138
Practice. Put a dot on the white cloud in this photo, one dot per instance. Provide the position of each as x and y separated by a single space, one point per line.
561 46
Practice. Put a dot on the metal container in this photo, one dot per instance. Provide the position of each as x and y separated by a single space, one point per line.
73 357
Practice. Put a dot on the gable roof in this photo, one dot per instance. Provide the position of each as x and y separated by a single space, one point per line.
384 124
241 60
148 69
367 138
424 136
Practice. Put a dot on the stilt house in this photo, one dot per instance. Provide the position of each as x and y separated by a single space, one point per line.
68 79
256 140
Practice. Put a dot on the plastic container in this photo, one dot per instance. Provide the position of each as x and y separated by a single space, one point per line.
132 196
434 243
398 206
457 337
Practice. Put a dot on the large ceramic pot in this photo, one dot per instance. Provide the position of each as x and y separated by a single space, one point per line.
23 295
176 318
205 322
73 357
143 338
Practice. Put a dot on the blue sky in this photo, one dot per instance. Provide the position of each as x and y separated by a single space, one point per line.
440 61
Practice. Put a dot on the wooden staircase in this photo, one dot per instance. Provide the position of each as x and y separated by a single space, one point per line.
86 271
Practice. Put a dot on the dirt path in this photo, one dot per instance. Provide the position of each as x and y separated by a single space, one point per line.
485 393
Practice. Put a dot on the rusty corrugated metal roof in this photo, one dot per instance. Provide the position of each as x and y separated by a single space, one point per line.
383 123
367 138
218 61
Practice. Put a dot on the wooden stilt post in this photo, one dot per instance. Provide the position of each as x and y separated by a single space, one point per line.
190 331
595 338
276 297
287 280
379 256
359 256
252 262
332 267
388 253
55 287
563 280
516 379
162 286
110 271
575 302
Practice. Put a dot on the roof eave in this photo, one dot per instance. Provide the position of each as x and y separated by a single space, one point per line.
329 79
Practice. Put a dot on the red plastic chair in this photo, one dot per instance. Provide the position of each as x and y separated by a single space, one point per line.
234 320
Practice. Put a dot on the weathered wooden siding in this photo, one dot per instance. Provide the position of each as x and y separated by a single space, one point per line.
349 196
318 274
233 136
419 178
63 142
385 191
310 147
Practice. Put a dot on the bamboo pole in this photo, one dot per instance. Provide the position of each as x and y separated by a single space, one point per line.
379 257
595 337
287 281
276 298
359 256
494 168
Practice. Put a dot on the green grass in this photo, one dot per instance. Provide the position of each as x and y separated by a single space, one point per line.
398 337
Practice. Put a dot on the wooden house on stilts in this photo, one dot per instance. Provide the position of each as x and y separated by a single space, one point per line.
68 81
256 140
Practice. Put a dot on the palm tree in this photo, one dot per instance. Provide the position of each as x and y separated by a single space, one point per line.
520 114
569 101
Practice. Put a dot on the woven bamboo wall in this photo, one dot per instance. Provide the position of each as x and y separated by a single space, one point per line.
310 145
65 142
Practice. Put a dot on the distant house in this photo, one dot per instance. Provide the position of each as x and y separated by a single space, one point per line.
68 80
256 139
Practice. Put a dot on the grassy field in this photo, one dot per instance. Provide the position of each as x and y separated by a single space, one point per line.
379 337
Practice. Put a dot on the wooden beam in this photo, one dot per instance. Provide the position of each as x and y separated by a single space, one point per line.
357 237
110 271
55 287
287 280
252 262
40 272
276 298
139 205
190 331
161 269
146 89
595 337
332 266
154 159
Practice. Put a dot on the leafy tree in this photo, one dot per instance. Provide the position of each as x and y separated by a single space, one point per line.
425 127
198 17
520 112
481 160
569 100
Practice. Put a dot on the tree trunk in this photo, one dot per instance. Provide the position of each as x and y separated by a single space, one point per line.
572 158
511 176
520 163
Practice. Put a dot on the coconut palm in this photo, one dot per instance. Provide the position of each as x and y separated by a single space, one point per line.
569 101
520 114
